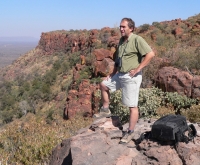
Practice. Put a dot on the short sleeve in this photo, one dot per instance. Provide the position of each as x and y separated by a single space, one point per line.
142 46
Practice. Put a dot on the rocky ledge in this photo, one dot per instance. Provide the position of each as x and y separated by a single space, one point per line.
98 144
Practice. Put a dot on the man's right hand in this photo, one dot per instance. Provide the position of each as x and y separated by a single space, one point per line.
108 77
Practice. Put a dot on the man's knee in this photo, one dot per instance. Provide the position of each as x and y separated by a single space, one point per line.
103 87
133 109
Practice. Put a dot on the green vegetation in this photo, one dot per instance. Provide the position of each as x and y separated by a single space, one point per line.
32 121
153 102
32 139
144 28
40 88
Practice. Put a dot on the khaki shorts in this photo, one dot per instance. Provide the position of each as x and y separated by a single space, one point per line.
130 87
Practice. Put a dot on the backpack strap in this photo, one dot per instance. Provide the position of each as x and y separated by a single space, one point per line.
144 135
192 132
180 136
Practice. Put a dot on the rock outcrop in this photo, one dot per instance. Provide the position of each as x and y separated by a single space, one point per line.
104 63
80 101
98 144
171 79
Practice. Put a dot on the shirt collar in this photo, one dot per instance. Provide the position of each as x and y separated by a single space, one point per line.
129 37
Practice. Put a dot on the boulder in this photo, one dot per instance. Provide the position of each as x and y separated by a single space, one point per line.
100 54
171 79
104 67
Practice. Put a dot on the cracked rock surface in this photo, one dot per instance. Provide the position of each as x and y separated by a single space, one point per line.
98 144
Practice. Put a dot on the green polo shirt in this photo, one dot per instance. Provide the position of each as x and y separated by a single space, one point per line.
132 52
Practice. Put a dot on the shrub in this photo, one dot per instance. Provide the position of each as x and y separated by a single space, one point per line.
159 25
178 101
162 111
104 37
96 80
152 102
6 115
144 28
192 113
65 67
149 100
85 73
74 58
160 40
8 101
117 108
24 107
50 77
56 65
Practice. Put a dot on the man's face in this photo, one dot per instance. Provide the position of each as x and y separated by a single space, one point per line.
124 29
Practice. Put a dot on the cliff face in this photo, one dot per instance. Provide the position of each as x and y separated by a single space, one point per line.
83 40
62 41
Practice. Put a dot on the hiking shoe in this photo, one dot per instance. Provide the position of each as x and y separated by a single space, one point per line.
127 137
104 112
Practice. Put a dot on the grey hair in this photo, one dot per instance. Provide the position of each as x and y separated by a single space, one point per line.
131 23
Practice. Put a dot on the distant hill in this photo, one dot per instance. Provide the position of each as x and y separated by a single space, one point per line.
19 39
11 49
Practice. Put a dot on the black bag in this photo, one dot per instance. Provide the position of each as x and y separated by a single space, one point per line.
173 127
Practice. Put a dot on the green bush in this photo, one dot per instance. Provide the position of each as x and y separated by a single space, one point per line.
8 101
50 77
74 58
85 73
151 102
159 25
151 99
7 115
144 28
117 108
178 101
160 39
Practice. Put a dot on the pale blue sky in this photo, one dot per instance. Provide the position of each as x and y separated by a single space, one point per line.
32 17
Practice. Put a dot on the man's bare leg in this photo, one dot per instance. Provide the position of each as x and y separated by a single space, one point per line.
105 95
134 115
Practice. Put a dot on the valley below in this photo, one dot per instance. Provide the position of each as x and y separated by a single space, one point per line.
10 51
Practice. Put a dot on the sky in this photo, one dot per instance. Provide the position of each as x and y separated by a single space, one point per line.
29 18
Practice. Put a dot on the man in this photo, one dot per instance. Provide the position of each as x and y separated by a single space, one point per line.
133 54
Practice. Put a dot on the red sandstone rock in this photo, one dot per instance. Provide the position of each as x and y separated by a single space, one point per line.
100 54
178 31
80 100
171 79
104 67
